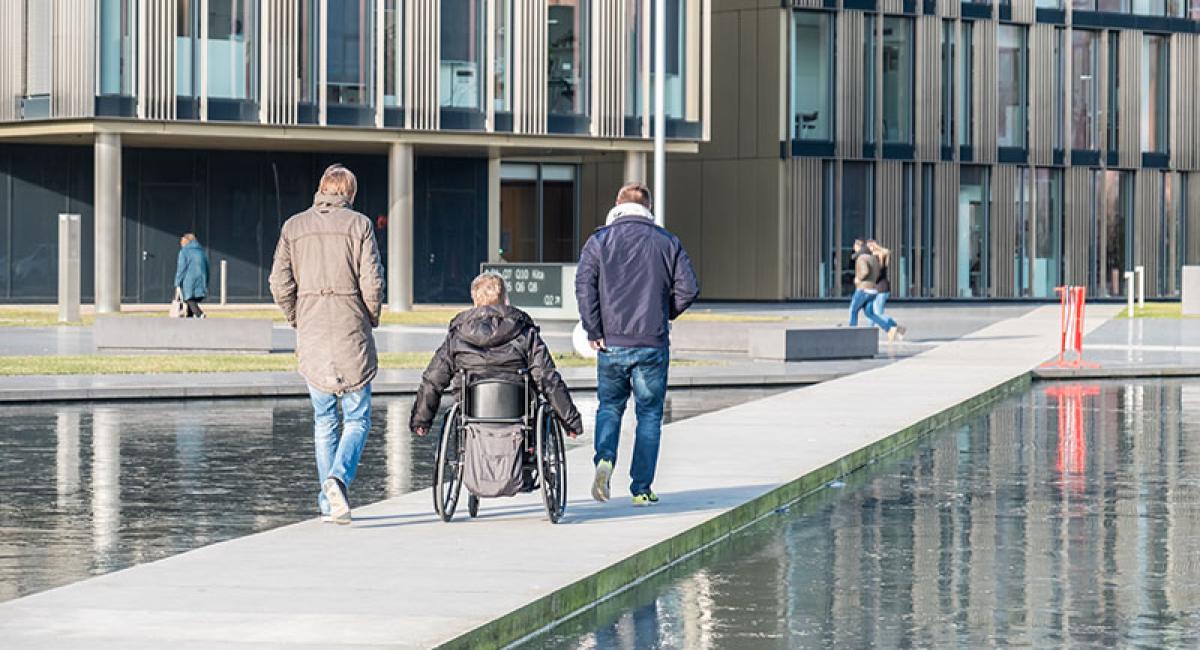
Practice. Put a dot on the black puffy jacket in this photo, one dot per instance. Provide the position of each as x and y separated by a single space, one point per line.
493 340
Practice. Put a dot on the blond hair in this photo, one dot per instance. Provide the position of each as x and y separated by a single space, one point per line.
338 181
884 255
488 289
635 192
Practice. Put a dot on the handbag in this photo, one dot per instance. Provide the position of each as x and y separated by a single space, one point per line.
178 308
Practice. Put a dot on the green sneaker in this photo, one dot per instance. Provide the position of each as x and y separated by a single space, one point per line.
647 499
604 471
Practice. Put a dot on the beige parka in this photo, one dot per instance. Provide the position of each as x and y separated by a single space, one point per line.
328 280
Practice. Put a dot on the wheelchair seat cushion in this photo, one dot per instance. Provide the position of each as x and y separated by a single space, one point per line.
492 459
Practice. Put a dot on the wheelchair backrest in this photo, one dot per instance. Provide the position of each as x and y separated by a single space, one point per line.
496 399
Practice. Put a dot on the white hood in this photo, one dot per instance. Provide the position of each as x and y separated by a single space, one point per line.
627 210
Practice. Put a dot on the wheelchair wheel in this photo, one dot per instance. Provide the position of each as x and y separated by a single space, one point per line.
448 467
552 463
473 505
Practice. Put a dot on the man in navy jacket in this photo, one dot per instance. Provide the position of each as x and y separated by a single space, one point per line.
633 279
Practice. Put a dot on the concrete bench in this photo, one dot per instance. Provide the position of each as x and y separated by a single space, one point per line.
812 343
190 334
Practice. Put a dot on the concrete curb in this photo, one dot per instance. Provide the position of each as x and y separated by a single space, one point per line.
1134 372
607 583
298 389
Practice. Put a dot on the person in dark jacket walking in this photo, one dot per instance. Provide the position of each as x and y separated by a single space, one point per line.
191 274
492 339
633 279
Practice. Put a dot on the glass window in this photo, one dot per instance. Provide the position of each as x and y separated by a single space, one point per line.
1114 91
868 92
461 70
538 212
1083 5
306 53
1022 239
1049 4
1113 231
905 255
1047 233
187 54
568 56
1084 132
966 117
927 251
232 48
812 75
829 252
1173 218
1177 8
1059 59
1155 90
1156 7
1113 6
676 56
118 27
974 199
948 54
897 79
634 89
1012 67
393 53
858 216
502 80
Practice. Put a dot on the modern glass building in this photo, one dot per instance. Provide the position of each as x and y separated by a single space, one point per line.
999 148
479 130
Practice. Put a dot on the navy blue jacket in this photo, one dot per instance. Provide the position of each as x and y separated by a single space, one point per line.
633 278
191 271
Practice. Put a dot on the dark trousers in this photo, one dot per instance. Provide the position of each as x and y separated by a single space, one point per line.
193 308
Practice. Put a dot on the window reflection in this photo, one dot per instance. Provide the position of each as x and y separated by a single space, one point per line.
1155 92
1084 89
974 202
232 44
858 216
812 78
567 57
897 79
348 45
461 66
1012 65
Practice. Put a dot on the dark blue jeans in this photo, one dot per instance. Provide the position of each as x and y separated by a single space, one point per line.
642 371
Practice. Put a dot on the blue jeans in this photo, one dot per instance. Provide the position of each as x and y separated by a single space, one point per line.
878 305
863 301
337 457
642 371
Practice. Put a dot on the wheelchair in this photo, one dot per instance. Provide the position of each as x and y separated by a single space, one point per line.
502 401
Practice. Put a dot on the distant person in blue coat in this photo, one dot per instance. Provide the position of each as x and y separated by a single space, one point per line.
633 279
191 274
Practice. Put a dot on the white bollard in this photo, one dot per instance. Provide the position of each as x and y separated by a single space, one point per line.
1129 292
224 277
1140 271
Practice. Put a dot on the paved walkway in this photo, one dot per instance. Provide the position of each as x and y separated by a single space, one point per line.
398 578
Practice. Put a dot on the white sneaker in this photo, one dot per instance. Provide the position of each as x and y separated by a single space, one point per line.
600 484
339 508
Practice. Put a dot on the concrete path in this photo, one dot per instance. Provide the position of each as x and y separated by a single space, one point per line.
398 578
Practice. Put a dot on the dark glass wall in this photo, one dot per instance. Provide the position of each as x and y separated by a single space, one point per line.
36 185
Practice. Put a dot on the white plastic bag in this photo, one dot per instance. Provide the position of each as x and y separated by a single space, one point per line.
178 307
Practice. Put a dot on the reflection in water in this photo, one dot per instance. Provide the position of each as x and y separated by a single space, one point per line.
167 477
1069 516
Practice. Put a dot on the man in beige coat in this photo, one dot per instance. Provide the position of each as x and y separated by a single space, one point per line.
328 280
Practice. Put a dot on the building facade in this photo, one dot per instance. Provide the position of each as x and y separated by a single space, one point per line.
999 148
475 127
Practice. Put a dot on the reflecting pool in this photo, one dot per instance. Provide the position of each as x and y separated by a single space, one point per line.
1069 516
92 488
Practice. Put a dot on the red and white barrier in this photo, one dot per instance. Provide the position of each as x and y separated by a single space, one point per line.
1074 300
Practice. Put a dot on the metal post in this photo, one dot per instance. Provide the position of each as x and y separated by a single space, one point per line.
1141 285
108 222
400 227
224 281
1129 292
68 268
660 115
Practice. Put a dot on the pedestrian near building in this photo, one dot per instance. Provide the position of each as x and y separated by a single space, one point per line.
191 274
633 279
884 286
328 280
866 274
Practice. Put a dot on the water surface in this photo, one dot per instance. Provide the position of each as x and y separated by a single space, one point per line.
1069 516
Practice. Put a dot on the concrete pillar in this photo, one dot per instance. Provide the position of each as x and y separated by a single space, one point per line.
635 166
68 268
493 203
400 227
108 222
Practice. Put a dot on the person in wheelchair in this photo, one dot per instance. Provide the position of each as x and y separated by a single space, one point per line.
493 341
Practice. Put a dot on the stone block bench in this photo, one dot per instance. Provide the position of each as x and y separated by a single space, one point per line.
814 343
187 334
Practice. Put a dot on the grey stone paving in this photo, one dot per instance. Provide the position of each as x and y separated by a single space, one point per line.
398 578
